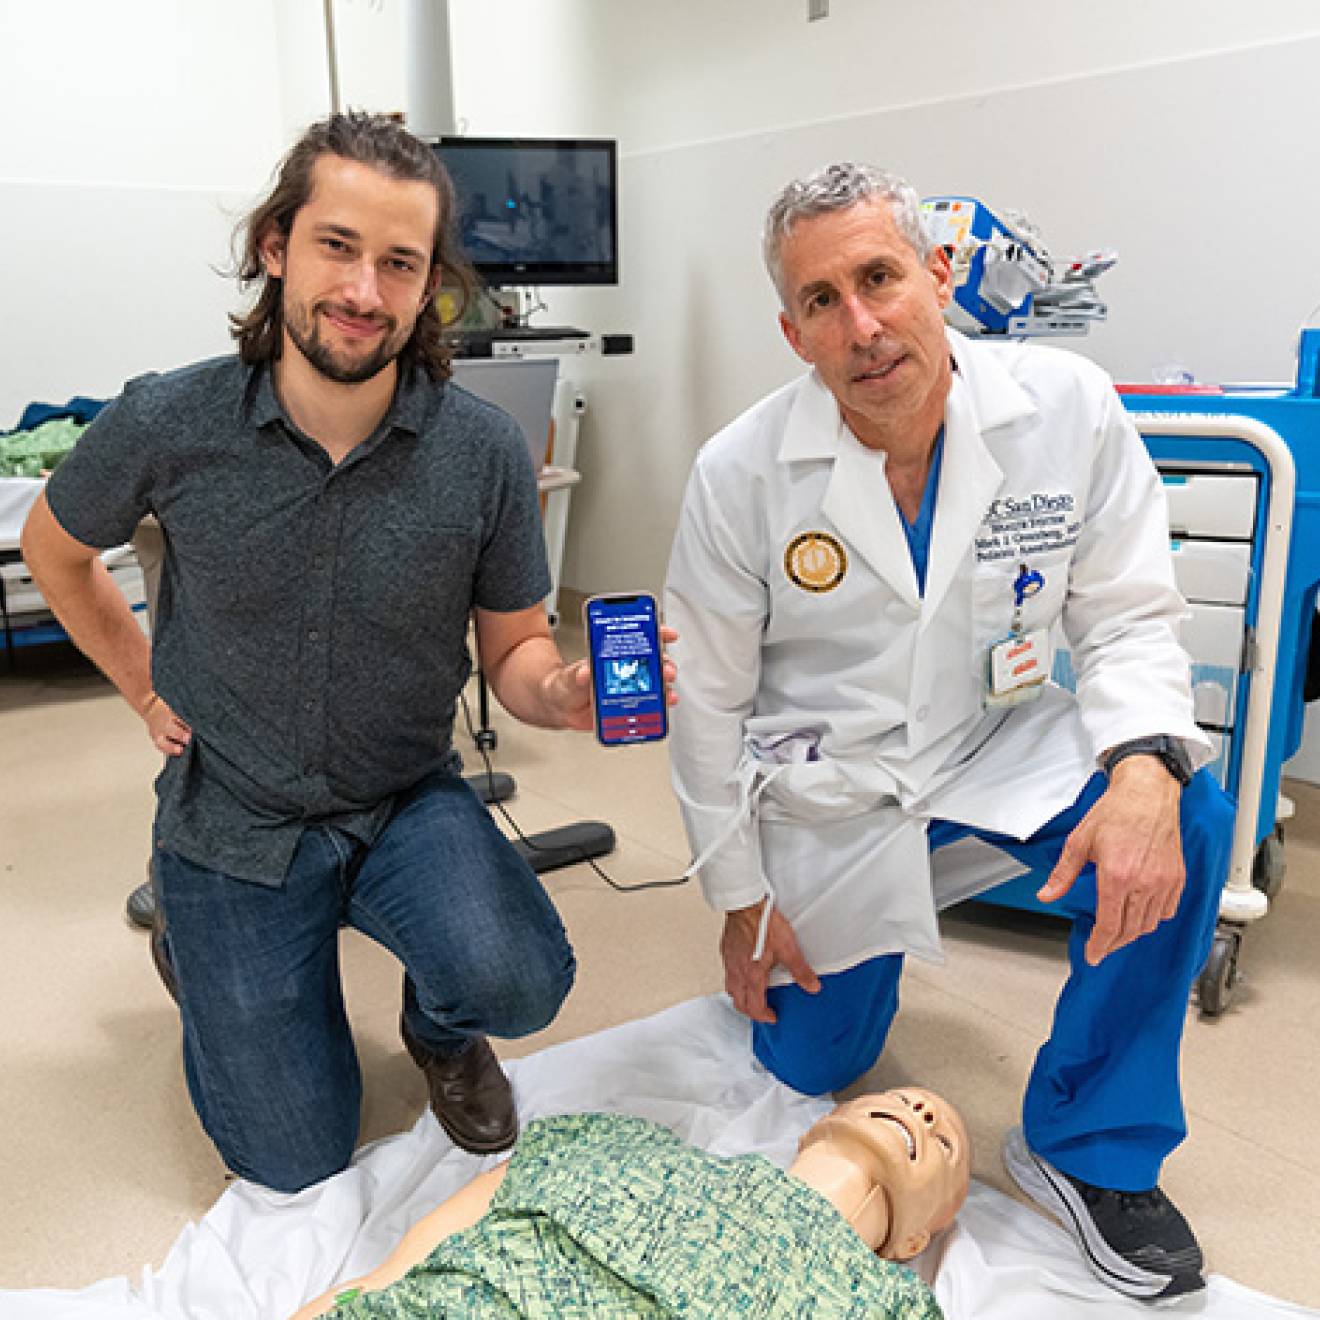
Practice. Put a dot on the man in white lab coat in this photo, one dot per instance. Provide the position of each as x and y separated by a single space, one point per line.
868 568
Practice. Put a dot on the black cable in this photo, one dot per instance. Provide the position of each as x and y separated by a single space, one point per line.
513 824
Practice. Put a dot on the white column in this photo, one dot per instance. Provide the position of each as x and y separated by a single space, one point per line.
304 68
428 64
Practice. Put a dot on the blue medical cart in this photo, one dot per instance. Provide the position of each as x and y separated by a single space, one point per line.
1241 468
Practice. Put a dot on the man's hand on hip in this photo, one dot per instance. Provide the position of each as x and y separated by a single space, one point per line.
170 734
745 977
1132 837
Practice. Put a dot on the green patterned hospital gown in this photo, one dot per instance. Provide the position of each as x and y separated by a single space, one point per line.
606 1217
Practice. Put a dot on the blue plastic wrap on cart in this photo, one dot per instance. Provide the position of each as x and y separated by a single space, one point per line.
80 408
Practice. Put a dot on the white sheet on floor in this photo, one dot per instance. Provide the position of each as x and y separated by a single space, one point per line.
260 1254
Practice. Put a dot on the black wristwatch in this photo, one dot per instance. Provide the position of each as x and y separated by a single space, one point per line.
1169 750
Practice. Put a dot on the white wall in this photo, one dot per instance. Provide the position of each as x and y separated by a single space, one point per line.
1177 133
532 68
686 72
136 92
1180 133
134 133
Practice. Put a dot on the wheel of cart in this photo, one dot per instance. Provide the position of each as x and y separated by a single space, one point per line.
1267 870
1219 977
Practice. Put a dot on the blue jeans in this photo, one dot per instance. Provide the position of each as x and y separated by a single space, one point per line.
267 1050
1103 1102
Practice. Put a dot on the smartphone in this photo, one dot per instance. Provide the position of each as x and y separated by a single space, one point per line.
627 679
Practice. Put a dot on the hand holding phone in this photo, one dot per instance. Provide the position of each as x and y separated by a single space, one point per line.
627 670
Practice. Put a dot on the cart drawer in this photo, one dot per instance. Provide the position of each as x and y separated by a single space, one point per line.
1212 636
1215 572
1217 507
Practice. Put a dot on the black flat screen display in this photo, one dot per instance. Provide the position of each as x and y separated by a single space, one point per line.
536 210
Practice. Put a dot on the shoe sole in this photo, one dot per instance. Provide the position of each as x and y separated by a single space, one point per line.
1050 1190
140 907
475 1147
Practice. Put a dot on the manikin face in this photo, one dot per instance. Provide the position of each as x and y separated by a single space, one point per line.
866 312
914 1149
356 267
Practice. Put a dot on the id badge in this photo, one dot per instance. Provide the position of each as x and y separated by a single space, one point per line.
1016 668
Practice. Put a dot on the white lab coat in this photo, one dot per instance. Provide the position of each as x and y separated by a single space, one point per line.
818 731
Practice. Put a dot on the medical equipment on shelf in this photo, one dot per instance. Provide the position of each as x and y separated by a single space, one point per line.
1004 280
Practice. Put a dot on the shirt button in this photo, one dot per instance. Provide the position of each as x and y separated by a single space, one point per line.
309 706
922 712
313 635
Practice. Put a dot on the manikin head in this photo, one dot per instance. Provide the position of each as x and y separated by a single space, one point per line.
896 1165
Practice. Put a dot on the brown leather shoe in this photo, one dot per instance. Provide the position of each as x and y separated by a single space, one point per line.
470 1095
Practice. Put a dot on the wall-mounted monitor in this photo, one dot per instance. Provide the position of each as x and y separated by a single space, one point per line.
537 210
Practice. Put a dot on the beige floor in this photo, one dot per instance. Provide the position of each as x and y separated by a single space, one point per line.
104 1162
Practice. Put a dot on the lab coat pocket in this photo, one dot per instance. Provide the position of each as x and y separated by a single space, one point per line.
1043 579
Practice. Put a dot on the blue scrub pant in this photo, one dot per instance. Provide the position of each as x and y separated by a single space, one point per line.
1103 1102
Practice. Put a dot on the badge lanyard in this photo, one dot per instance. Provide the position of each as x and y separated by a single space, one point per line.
1027 583
1016 665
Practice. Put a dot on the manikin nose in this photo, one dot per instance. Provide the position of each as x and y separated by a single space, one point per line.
919 1107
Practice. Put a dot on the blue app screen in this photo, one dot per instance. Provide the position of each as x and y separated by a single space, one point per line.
624 639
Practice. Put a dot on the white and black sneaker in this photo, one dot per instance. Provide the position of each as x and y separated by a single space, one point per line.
1136 1242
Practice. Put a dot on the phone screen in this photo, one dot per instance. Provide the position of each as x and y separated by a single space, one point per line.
623 636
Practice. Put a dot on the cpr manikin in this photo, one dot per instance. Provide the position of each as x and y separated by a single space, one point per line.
895 1165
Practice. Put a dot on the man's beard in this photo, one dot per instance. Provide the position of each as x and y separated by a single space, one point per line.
305 331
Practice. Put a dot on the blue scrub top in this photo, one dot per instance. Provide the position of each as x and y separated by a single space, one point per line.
918 532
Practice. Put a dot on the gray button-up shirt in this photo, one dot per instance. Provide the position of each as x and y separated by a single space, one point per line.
312 621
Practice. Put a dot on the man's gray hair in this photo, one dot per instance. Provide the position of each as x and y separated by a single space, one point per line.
839 188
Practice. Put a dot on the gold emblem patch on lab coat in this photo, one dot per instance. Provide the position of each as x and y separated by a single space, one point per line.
815 561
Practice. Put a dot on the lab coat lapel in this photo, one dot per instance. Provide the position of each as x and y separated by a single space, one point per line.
983 398
857 500
860 504
969 480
